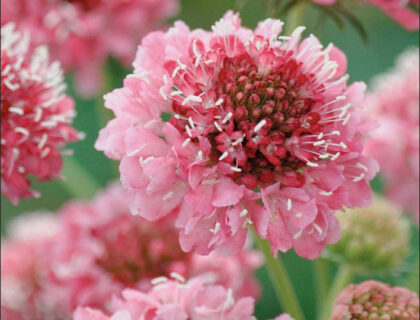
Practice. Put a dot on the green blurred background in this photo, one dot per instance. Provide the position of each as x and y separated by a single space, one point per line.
386 41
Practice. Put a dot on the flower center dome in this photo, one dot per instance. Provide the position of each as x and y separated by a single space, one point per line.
257 110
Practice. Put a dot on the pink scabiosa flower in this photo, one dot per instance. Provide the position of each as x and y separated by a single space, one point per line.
35 115
284 317
399 10
375 300
254 117
81 34
394 103
103 249
196 299
23 266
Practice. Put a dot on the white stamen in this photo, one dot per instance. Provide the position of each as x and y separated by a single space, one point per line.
243 213
145 161
299 215
200 155
191 122
223 156
236 169
219 102
318 228
168 196
177 276
158 280
319 143
325 193
298 234
176 93
43 141
259 126
216 228
312 164
335 157
324 156
227 118
289 204
343 145
361 166
16 110
218 127
187 128
359 178
192 98
23 131
45 152
186 142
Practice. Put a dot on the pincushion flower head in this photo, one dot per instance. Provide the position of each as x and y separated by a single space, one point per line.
376 300
394 103
373 238
35 115
254 117
197 299
81 34
23 266
103 248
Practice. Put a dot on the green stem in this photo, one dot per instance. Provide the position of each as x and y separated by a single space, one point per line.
321 281
280 280
295 16
343 277
77 181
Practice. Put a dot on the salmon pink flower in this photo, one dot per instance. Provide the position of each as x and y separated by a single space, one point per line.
81 34
196 299
254 117
104 249
394 103
375 300
35 115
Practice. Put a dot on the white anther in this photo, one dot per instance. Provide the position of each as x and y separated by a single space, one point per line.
335 157
168 196
187 128
259 126
158 280
325 193
298 234
218 127
359 178
191 122
227 118
186 142
324 156
163 94
18 111
43 141
318 228
177 276
223 156
192 98
243 213
216 228
361 166
299 215
289 204
23 131
320 136
219 102
319 143
312 164
200 155
176 93
45 152
343 145
145 161
236 169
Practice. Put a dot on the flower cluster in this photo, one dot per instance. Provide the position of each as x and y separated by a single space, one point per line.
375 300
82 33
101 249
373 238
35 115
399 10
394 103
254 117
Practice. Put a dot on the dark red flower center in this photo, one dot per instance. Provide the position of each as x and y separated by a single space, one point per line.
259 111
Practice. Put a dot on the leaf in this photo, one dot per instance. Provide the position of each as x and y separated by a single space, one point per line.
354 21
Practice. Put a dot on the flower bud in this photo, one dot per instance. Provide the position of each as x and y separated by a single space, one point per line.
376 237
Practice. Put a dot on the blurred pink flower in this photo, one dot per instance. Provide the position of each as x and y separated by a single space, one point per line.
248 110
35 115
81 34
375 300
284 317
102 249
23 267
398 10
197 299
394 103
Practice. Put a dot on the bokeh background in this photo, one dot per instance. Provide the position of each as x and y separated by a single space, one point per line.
386 40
